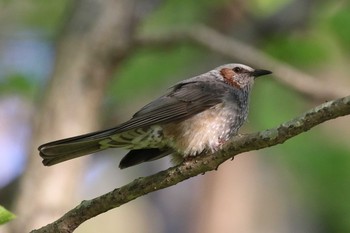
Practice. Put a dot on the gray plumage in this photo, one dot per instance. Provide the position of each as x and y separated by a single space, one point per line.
194 116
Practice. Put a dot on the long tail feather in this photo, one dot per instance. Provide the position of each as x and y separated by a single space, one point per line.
53 154
70 148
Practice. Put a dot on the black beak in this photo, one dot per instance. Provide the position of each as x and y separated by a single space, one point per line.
257 73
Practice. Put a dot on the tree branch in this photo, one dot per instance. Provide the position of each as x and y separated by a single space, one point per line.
239 51
198 165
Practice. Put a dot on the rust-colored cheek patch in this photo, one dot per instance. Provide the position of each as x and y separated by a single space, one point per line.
227 74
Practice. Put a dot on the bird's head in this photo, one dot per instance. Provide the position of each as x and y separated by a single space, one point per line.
239 75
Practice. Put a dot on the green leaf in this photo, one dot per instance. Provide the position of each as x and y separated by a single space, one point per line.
5 215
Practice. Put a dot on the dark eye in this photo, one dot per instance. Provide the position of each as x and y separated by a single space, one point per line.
237 69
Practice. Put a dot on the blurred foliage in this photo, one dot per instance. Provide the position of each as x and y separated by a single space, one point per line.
266 7
321 170
18 84
268 111
319 164
339 25
181 13
145 71
5 215
36 14
300 50
48 16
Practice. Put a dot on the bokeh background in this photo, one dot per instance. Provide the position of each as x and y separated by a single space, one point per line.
302 185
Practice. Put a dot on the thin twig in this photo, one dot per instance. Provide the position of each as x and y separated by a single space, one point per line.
239 51
199 165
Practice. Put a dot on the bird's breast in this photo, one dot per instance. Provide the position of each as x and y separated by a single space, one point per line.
205 131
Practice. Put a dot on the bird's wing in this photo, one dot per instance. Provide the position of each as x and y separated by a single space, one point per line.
182 101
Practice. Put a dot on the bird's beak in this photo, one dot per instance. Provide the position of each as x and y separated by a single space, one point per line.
257 73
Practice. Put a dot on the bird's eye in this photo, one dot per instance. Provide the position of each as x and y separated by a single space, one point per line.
237 69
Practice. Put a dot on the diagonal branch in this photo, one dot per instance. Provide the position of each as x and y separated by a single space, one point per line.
242 52
198 165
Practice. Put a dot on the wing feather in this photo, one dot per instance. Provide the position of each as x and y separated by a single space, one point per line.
182 101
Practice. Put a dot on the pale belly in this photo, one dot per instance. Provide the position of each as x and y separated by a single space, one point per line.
206 131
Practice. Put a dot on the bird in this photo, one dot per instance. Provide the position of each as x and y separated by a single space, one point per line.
195 116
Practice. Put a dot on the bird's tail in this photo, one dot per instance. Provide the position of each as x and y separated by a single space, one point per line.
70 148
